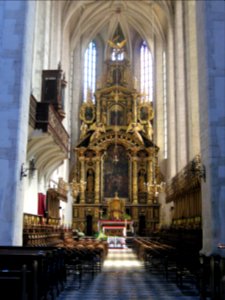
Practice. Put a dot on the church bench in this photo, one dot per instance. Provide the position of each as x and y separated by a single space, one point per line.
44 268
188 243
13 283
155 254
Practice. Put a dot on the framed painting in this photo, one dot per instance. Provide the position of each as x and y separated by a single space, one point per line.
87 113
145 113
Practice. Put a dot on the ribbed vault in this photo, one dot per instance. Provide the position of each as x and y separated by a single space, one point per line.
89 18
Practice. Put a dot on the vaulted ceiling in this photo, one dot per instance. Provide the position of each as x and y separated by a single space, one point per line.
89 18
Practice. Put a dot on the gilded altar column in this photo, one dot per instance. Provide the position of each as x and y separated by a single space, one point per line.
97 179
135 179
149 179
82 179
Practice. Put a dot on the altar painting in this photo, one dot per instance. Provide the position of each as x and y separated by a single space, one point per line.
115 177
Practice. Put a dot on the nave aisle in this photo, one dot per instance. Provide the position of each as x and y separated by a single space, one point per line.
123 277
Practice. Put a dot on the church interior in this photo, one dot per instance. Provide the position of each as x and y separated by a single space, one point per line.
112 139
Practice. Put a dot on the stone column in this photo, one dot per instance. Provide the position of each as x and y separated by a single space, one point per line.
211 76
16 34
171 169
192 79
181 107
158 101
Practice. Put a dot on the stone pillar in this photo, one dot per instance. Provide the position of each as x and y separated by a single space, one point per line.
158 101
135 179
192 80
16 35
97 179
171 169
82 179
181 107
211 76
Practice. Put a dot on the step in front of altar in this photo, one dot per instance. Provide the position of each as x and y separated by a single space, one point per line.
116 242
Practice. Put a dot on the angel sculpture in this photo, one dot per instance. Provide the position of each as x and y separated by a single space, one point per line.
118 45
98 128
136 128
149 130
83 129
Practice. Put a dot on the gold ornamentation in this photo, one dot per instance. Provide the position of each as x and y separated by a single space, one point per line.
145 113
136 128
99 129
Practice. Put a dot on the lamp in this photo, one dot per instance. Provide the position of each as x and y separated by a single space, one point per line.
77 187
31 169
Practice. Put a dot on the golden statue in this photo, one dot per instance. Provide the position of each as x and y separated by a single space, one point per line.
117 46
83 129
149 130
98 128
116 208
136 128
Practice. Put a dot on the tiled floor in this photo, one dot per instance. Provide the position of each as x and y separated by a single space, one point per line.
124 277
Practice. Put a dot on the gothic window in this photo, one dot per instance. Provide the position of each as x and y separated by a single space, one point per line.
146 71
89 69
116 56
165 106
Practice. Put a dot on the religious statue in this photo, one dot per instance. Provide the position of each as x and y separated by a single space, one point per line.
136 128
149 130
90 180
83 129
141 180
116 208
98 128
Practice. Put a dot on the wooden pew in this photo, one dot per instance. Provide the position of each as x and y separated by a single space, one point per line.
44 269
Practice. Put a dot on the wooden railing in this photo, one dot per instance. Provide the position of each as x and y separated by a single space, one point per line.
32 113
48 120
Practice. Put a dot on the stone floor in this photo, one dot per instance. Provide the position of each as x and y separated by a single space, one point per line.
124 277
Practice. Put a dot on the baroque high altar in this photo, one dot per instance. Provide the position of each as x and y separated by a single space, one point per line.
116 157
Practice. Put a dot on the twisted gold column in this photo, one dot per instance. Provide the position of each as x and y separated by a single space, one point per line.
135 184
82 179
97 180
149 180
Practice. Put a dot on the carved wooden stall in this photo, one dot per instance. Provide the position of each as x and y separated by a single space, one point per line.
116 154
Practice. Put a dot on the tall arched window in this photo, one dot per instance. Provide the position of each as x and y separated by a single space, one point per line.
146 78
89 69
116 56
165 107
